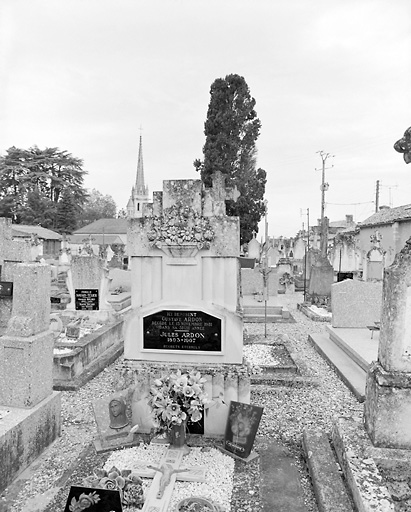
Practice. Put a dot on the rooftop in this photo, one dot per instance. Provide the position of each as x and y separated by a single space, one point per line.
106 226
24 230
388 216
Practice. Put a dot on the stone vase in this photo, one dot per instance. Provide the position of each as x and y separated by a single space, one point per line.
177 435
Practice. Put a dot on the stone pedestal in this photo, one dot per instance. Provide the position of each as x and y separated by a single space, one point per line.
388 392
388 408
33 419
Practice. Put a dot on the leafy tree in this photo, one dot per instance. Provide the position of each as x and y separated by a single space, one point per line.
98 206
231 129
32 182
39 210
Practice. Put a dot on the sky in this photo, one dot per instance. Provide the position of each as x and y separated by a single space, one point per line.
90 76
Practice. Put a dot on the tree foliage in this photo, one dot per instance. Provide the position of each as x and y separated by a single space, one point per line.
33 182
231 129
98 206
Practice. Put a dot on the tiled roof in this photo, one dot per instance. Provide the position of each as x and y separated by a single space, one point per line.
388 216
106 226
26 230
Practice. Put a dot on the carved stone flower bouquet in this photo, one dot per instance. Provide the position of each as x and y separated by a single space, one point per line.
177 398
126 482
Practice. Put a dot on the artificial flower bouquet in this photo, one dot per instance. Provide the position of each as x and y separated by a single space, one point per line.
176 398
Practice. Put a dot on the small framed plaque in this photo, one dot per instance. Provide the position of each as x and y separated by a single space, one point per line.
182 330
242 425
93 500
86 300
6 289
55 300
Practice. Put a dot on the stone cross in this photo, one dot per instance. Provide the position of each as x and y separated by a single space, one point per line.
164 477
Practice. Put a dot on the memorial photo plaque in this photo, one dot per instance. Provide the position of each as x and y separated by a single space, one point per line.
182 330
6 289
86 300
242 425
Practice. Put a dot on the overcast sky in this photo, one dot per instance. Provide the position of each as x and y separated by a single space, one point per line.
332 75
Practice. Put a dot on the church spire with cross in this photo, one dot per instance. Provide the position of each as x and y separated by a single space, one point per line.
139 192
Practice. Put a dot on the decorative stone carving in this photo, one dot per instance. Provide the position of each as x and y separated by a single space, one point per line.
181 225
403 145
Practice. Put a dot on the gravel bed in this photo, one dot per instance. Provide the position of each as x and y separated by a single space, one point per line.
287 411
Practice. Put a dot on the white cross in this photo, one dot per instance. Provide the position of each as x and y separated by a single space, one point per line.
164 478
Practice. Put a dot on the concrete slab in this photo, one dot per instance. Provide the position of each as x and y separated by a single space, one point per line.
25 433
329 489
280 485
354 452
353 376
358 343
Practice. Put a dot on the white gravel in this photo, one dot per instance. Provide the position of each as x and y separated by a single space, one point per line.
260 354
219 471
287 411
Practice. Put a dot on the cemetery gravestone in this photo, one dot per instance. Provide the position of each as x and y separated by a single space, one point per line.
11 252
26 383
356 303
185 292
388 390
321 279
88 282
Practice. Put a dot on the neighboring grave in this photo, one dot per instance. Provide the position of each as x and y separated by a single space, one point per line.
186 295
388 391
321 279
26 382
11 253
356 303
88 283
254 248
252 281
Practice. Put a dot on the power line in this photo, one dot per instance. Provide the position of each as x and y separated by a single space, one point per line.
349 204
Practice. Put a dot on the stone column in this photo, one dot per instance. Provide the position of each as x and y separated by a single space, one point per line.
388 391
26 350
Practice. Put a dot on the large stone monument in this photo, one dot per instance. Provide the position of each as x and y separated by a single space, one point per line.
186 311
185 278
30 409
388 391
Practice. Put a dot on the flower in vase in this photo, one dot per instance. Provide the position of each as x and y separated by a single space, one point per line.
177 397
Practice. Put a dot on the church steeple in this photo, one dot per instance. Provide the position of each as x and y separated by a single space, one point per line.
140 188
139 192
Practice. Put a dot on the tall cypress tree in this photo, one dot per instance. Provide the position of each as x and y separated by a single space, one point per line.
67 212
231 129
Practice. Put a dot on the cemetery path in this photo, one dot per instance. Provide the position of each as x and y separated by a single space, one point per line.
288 410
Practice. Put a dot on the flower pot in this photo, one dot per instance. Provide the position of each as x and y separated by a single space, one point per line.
177 435
197 504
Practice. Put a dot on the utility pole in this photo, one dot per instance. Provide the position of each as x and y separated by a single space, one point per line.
377 196
306 253
265 270
324 187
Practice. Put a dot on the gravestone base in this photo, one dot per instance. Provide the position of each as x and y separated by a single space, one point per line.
89 355
25 433
387 412
24 378
225 382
